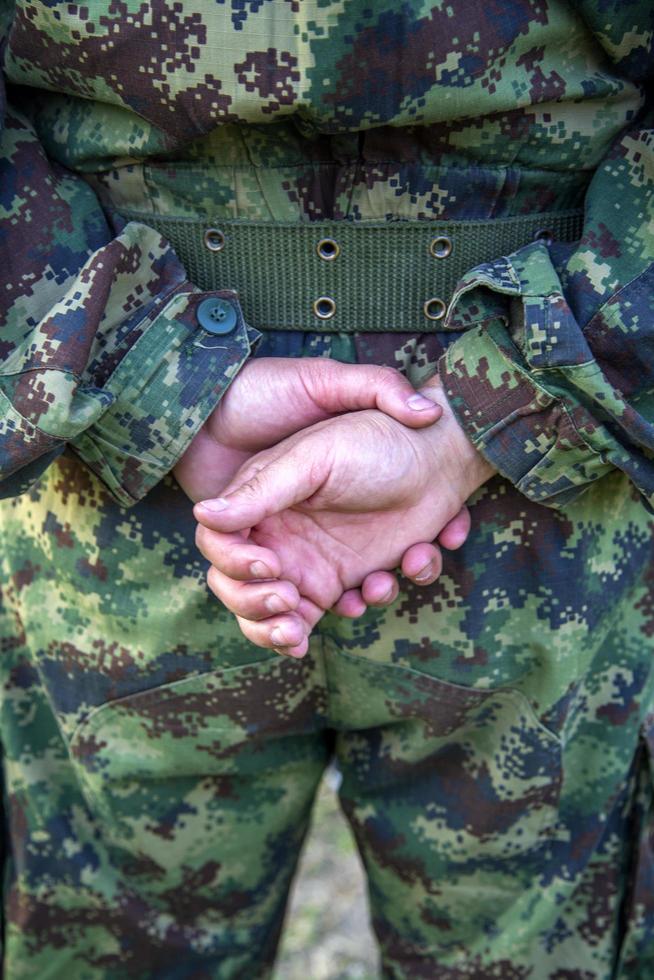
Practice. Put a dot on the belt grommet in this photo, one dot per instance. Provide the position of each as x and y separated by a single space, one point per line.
214 239
440 247
328 249
324 307
434 308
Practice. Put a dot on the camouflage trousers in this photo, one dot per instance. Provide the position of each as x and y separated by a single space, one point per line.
495 734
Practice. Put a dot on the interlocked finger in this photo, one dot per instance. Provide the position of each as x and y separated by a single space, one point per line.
235 556
380 589
285 634
253 600
422 563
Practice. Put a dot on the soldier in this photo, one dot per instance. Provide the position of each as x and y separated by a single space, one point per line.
340 164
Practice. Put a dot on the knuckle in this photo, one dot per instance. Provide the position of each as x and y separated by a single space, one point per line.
251 632
213 581
251 486
251 482
320 377
251 489
201 538
388 376
320 368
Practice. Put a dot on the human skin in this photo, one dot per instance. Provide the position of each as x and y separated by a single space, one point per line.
272 398
327 507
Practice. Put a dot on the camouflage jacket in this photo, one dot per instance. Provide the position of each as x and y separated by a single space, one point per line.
299 109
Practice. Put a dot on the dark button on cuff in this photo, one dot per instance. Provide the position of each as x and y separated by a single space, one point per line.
216 316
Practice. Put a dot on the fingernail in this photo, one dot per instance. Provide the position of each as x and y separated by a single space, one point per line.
281 639
275 604
418 403
425 573
259 570
219 503
389 595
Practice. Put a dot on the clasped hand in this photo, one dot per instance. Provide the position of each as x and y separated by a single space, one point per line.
319 519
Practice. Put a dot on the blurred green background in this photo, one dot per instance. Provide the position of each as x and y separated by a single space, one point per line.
327 934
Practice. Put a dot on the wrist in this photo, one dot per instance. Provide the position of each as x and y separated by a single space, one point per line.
473 468
207 466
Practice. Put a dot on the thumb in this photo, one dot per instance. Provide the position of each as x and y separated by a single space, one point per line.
349 387
265 488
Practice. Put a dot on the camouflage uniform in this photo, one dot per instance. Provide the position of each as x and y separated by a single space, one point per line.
495 730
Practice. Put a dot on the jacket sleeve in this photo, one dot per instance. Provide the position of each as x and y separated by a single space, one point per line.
100 346
553 374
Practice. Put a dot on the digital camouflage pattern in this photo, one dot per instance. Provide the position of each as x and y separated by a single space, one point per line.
496 729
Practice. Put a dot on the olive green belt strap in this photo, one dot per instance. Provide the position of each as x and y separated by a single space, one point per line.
347 275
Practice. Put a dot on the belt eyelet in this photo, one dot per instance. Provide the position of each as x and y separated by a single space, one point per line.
214 239
324 307
440 247
328 249
434 308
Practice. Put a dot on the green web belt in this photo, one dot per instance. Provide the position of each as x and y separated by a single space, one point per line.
386 276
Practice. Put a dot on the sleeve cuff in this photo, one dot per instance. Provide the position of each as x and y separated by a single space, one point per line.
162 392
531 436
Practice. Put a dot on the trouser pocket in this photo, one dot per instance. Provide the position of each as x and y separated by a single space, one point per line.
205 757
485 774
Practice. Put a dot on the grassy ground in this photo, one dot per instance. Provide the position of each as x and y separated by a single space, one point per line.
327 936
